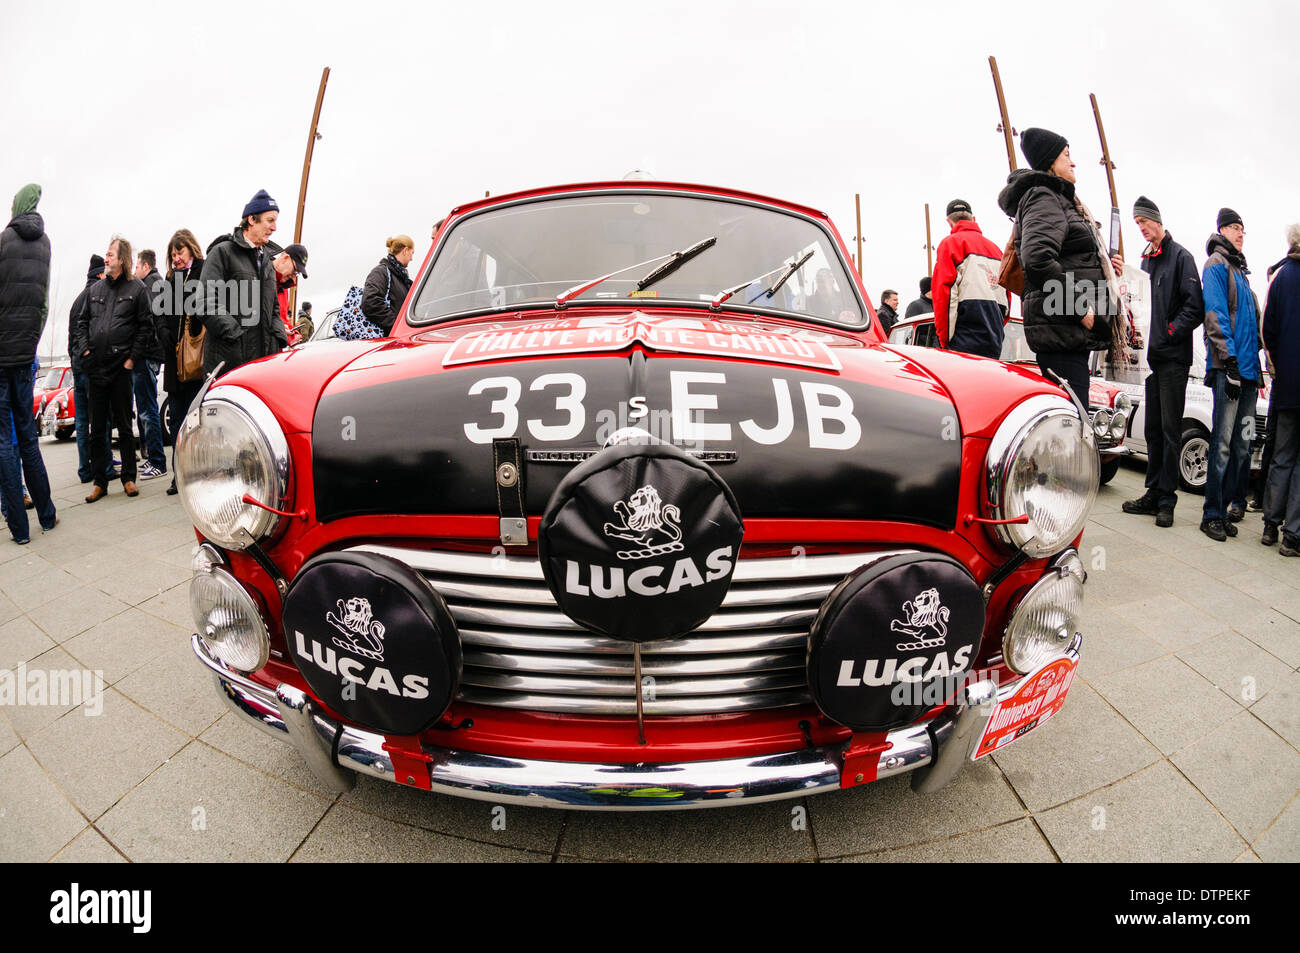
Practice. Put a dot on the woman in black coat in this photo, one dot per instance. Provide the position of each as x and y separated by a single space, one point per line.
184 267
387 284
1071 297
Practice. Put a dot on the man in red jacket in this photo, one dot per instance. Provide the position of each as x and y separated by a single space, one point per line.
970 307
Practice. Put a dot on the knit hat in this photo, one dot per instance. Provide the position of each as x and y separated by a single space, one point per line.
1145 208
259 203
299 255
96 267
1040 147
1227 217
925 285
957 205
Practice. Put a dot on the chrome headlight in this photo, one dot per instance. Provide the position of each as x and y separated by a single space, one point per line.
228 620
1045 621
1042 469
1101 422
1123 404
1117 423
228 446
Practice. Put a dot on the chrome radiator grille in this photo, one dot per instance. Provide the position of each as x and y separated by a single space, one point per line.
521 651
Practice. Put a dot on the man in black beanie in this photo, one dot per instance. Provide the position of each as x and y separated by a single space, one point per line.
81 383
923 304
1177 310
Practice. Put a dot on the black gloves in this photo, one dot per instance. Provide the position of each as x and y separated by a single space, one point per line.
1232 379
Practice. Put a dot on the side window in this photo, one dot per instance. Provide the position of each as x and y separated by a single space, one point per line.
901 336
926 336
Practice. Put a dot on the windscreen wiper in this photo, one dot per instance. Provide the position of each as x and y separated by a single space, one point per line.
789 269
677 259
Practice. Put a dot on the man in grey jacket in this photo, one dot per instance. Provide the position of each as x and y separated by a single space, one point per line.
241 314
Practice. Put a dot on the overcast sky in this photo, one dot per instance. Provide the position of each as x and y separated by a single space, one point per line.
145 118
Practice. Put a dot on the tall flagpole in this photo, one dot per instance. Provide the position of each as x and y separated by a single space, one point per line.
1004 126
312 136
1110 166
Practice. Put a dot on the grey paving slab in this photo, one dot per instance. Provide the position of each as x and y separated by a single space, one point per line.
177 689
1083 747
1115 585
348 836
202 805
29 565
99 562
35 818
89 847
141 579
173 605
1167 701
122 644
1245 770
96 759
1281 842
1155 815
1237 667
1018 842
1248 857
251 746
1280 709
8 737
1275 633
29 593
35 713
182 555
1169 620
8 611
1263 587
535 829
887 814
21 641
81 608
768 832
1111 644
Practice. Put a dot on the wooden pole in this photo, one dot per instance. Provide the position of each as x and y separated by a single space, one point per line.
1110 166
312 136
857 204
1004 126
929 249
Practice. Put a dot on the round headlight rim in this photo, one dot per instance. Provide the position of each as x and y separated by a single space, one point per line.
267 431
1005 447
258 613
1068 562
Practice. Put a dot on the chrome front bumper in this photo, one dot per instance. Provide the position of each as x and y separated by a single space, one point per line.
936 751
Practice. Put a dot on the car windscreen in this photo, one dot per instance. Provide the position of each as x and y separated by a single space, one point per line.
51 378
1015 349
527 255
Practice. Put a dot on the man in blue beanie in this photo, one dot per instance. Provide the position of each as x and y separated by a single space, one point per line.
242 316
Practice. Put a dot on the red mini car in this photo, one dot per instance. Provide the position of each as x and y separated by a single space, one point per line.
636 508
52 402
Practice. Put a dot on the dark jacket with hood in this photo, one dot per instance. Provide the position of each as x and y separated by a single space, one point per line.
1064 277
921 305
1282 332
241 314
385 290
1177 308
115 323
179 289
24 280
74 314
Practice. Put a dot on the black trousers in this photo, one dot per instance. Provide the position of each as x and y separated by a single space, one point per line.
1070 365
113 395
1166 393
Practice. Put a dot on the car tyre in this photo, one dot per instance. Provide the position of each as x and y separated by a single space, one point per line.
1193 459
65 433
1108 470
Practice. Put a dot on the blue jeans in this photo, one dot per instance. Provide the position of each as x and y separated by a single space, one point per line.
145 379
23 459
81 408
1228 475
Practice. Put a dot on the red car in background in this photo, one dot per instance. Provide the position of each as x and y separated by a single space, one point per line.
52 402
636 508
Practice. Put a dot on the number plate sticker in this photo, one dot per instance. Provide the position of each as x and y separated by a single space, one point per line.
1037 698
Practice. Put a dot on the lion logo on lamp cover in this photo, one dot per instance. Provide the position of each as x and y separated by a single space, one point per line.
355 620
648 522
923 613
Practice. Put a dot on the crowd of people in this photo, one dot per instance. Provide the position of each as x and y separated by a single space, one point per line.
1068 280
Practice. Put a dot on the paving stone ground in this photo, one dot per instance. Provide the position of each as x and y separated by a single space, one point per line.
1178 742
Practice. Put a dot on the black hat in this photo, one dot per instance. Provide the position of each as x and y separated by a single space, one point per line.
1145 208
96 267
957 205
259 203
306 306
925 285
1227 217
1041 147
299 255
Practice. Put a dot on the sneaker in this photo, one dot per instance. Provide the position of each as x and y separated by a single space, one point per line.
1290 545
149 472
1214 530
1236 512
1269 536
1255 505
1229 528
1165 516
1144 505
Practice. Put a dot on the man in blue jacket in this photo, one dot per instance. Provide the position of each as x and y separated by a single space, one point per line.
1232 371
1177 310
1282 342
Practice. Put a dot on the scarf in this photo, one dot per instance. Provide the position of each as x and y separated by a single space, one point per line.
397 268
1118 316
